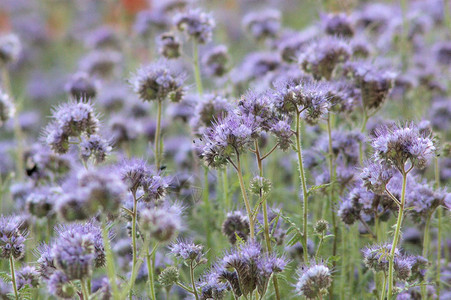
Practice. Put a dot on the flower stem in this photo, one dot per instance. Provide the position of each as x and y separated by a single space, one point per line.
439 234
197 68
134 259
84 290
397 234
246 200
206 200
111 271
304 185
150 259
191 272
157 138
332 176
265 216
13 277
226 188
426 251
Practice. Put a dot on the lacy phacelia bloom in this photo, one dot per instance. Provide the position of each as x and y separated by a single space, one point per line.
310 97
214 61
161 223
169 45
396 145
73 119
422 200
210 108
247 268
236 224
12 239
313 281
196 23
10 48
157 82
322 57
375 176
374 82
27 276
7 108
337 24
263 24
40 203
101 63
187 251
60 286
94 147
82 85
226 138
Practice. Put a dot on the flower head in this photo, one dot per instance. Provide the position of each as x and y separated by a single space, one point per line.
262 24
196 23
10 48
7 108
157 82
313 281
12 239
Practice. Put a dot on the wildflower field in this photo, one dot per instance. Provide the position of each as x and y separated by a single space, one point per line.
233 149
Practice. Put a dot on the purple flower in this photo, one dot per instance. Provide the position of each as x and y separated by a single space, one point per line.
187 251
60 286
157 82
397 144
12 239
337 24
94 147
313 281
215 61
169 45
148 20
236 224
210 108
27 276
101 63
321 57
82 85
262 24
196 23
161 223
375 176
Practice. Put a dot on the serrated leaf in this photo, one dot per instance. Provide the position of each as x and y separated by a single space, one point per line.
318 187
5 277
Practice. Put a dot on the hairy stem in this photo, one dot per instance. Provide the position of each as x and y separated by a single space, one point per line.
134 258
265 216
439 234
13 277
193 283
110 268
157 138
197 68
246 199
396 236
303 182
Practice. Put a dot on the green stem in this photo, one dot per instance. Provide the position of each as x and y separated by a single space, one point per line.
197 68
111 270
396 237
246 200
304 185
134 258
84 290
206 200
193 283
150 260
321 238
439 234
265 216
13 277
157 138
226 188
426 251
362 130
332 176
384 287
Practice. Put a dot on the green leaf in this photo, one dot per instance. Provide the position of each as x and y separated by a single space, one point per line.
5 277
318 187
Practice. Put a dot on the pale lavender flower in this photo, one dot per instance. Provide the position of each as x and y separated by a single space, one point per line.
321 57
262 24
94 147
101 63
169 45
81 84
210 108
12 239
337 24
161 223
215 60
60 286
157 82
396 145
375 176
236 224
196 23
148 20
313 281
187 251
27 276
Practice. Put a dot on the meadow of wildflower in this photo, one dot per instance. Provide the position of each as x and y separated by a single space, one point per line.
233 149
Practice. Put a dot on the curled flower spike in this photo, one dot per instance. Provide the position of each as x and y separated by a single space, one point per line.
397 144
236 224
263 24
313 281
375 176
158 82
12 239
197 24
